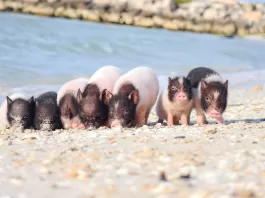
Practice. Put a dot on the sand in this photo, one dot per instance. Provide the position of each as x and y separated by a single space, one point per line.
151 161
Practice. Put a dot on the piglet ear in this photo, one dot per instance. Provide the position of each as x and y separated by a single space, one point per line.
169 80
106 96
203 84
134 96
187 81
31 100
9 101
226 84
79 96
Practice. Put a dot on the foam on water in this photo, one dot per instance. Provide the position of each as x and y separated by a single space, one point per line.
40 54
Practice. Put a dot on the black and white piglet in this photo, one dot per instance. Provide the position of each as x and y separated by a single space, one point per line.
47 112
93 111
210 94
17 111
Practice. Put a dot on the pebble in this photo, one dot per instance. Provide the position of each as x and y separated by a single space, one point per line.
61 184
234 139
187 172
211 130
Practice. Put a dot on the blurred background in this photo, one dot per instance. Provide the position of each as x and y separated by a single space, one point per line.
39 53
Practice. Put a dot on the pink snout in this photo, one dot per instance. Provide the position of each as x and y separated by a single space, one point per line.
115 124
181 96
214 114
76 124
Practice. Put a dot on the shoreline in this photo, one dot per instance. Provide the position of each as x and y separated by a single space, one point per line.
244 19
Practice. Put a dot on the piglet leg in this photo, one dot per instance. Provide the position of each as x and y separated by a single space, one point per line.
185 119
141 117
170 120
201 119
176 120
146 116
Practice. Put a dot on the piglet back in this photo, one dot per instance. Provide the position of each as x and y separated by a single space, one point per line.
145 80
106 77
72 86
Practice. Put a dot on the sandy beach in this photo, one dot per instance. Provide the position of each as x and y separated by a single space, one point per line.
151 161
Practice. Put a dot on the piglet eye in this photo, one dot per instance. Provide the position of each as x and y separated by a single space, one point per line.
126 111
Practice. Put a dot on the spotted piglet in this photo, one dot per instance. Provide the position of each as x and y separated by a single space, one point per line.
17 111
68 104
47 112
175 102
210 94
133 97
93 112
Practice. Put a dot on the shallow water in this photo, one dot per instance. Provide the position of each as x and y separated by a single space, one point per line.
38 54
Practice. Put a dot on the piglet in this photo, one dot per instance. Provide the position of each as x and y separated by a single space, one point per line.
47 112
17 111
67 102
175 102
210 94
93 112
133 96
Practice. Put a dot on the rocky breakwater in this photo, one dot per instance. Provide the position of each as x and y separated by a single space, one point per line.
223 18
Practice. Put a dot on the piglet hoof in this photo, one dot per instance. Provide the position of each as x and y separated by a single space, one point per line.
201 123
79 126
170 124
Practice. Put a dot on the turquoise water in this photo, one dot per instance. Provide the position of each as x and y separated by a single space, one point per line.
38 54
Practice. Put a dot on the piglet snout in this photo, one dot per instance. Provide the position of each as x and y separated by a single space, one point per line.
214 113
76 124
181 96
115 124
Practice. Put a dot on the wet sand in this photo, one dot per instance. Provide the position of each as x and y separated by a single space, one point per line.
151 161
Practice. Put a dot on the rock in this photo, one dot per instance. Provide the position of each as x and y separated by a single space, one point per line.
59 11
158 21
30 1
42 10
143 21
241 31
146 7
247 7
205 27
224 29
15 6
181 13
70 13
126 18
227 1
27 8
209 14
2 6
170 25
90 15
253 16
229 30
111 17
